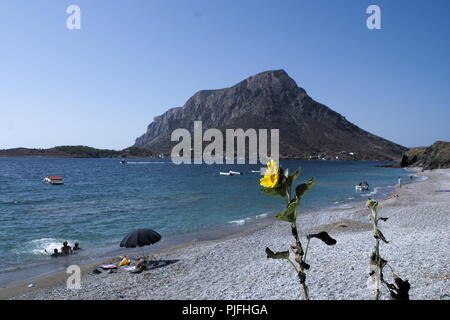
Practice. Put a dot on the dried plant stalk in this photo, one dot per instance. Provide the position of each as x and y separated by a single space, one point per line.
399 290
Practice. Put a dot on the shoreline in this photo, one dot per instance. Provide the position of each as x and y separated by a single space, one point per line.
58 277
345 221
33 271
168 243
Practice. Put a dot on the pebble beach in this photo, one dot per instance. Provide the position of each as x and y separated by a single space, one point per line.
237 267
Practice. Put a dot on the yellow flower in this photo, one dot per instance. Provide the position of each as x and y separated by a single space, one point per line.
271 176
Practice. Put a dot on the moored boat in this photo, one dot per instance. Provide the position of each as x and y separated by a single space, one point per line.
54 180
363 186
230 173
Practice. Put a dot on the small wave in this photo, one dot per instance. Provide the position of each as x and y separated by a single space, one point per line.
25 202
245 220
420 178
147 162
344 206
240 221
42 246
374 192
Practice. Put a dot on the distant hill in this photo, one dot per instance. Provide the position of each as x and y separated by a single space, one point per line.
272 100
77 152
436 156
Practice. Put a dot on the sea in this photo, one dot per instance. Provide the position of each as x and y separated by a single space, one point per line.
102 200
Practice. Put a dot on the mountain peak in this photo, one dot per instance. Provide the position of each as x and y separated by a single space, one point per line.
271 78
280 73
271 100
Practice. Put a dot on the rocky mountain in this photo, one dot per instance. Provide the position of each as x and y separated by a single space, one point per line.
436 156
272 100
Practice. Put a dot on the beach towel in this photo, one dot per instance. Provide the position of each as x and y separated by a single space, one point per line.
442 191
130 268
107 266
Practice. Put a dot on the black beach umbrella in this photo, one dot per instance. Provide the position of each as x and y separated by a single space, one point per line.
140 238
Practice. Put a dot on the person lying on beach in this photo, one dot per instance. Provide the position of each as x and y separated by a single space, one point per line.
76 247
394 195
66 249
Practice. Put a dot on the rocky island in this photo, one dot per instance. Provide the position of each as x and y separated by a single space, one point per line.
436 156
272 100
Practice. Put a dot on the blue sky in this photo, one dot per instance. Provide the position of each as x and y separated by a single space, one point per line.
132 60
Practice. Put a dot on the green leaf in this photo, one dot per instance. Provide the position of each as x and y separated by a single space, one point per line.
288 214
277 255
302 188
279 191
291 179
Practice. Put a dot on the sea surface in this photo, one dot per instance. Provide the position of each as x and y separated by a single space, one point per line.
102 200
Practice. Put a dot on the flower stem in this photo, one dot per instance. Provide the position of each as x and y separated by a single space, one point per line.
306 250
377 254
299 253
299 259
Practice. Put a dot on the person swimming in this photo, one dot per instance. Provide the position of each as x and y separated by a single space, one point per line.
55 253
66 249
76 247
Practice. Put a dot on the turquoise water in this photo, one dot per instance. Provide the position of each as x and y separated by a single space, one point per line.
102 200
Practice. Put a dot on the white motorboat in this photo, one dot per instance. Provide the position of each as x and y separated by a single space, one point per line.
229 173
363 186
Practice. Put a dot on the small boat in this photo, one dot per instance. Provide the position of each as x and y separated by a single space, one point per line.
230 173
255 171
123 161
54 180
363 186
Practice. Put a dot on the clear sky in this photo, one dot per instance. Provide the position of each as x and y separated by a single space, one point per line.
132 60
